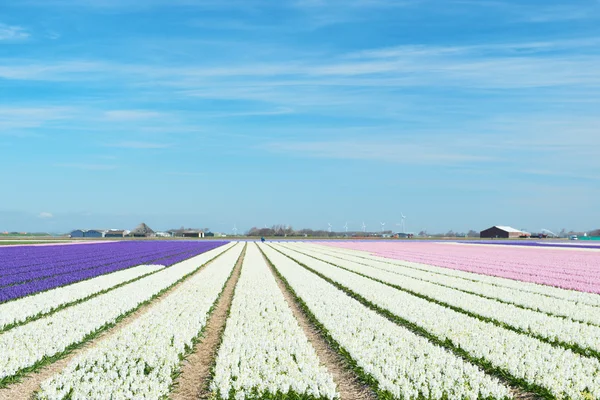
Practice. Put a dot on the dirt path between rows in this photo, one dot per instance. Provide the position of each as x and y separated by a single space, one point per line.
25 389
194 379
348 384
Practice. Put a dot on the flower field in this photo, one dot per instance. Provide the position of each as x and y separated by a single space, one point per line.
301 320
564 268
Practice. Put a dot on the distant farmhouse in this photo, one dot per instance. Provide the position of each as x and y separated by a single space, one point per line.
196 233
115 233
504 232
91 233
142 230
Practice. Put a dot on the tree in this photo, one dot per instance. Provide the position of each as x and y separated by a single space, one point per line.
473 233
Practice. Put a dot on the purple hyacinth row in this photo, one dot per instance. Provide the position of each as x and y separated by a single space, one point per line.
24 274
98 260
19 258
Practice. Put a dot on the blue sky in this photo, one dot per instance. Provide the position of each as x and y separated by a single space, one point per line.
204 113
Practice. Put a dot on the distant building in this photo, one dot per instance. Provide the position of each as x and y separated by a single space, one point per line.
404 235
77 233
115 233
195 233
209 234
92 233
95 233
142 230
504 232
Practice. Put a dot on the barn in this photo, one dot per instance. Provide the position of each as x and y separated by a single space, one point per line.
114 233
95 233
196 233
77 233
193 233
504 232
142 230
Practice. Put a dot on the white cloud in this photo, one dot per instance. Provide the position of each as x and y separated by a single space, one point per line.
13 119
86 166
131 115
45 215
374 150
12 32
139 145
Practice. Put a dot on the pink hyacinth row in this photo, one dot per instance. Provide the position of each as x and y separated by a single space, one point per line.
568 269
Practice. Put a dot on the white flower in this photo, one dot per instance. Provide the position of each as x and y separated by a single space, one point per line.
20 309
564 373
551 327
406 365
264 348
25 345
139 360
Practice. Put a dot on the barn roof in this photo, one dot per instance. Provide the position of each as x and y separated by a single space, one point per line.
142 229
508 229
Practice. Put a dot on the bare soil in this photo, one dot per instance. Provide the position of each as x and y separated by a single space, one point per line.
26 389
348 384
194 379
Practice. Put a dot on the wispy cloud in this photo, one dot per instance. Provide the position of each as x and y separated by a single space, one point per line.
87 166
45 215
184 173
131 115
13 120
376 150
13 32
139 145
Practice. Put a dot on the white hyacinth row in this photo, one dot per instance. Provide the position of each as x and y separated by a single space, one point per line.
533 322
574 305
26 345
559 293
21 309
404 365
264 351
140 360
562 372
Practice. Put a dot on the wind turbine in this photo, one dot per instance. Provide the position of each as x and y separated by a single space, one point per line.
234 230
364 227
329 229
382 226
403 223
346 226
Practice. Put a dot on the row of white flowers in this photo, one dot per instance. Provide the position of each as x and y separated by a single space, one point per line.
26 345
140 360
550 327
559 293
564 373
576 306
28 307
264 350
403 364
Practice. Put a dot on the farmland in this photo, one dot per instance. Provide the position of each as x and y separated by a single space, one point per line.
299 320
